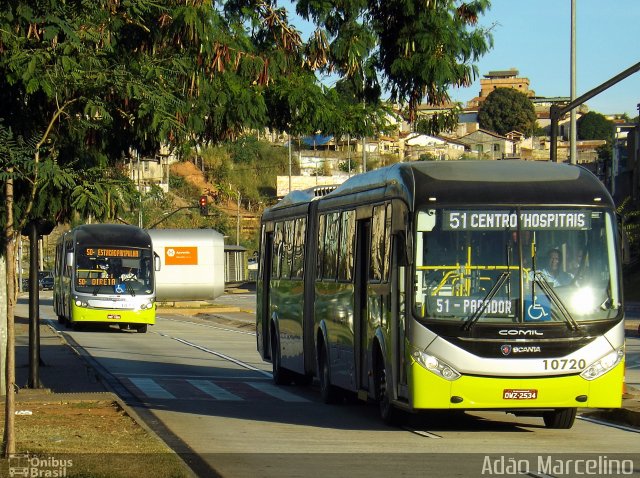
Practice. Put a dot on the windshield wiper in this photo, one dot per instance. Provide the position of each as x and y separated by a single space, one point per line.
485 302
130 289
548 290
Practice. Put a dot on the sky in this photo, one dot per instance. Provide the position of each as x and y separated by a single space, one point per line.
534 37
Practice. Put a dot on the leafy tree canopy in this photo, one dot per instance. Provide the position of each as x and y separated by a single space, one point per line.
594 126
505 110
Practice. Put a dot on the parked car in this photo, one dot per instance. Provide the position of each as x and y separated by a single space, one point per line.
46 283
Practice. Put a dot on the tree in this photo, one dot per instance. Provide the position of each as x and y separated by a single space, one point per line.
416 50
594 126
82 84
505 110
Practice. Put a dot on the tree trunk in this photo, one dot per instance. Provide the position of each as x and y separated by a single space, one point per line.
9 440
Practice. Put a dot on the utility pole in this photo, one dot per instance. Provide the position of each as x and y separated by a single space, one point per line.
289 135
573 149
34 308
238 222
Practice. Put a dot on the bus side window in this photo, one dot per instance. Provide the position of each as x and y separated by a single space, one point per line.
347 245
277 250
320 252
380 245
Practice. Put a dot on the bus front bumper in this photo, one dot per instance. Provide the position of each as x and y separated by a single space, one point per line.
114 316
430 391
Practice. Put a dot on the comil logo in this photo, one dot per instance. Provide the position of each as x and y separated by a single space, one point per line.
520 333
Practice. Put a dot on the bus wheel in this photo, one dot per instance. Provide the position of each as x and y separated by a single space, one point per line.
280 375
61 319
303 379
561 418
328 392
76 326
389 414
142 329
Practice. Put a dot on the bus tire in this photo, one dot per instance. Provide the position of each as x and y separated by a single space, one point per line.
560 418
388 412
280 375
303 379
76 326
61 319
142 329
328 392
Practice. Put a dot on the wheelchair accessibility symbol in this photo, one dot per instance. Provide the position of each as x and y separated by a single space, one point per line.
120 288
537 310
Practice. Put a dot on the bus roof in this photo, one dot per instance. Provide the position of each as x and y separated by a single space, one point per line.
112 234
488 181
461 182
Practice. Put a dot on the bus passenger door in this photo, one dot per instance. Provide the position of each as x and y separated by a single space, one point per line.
263 292
363 248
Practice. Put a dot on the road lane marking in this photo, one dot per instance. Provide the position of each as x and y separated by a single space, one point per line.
422 433
214 391
609 424
222 356
186 376
276 392
151 388
217 327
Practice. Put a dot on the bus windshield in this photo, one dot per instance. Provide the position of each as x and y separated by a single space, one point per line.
113 270
528 265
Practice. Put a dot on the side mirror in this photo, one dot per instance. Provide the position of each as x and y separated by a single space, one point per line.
156 262
70 259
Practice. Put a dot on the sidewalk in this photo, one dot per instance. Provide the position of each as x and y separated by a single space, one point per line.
61 370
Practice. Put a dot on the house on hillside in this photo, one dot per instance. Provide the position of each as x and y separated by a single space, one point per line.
489 145
146 172
415 145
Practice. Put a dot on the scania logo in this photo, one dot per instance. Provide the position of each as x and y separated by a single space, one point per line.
507 349
520 332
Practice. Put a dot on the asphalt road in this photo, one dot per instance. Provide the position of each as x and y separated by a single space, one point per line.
202 386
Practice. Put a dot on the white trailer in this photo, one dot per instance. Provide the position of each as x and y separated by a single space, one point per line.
192 264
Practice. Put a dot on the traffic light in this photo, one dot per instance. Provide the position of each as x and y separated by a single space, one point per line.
203 205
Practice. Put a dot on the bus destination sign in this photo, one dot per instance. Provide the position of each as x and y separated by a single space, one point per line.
553 220
95 281
111 252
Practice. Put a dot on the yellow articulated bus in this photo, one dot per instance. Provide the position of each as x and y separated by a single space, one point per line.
105 273
458 285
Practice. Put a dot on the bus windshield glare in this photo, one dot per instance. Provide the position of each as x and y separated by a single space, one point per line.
113 270
531 265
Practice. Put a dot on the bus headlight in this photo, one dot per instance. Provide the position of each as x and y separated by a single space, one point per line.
146 305
603 365
434 365
80 303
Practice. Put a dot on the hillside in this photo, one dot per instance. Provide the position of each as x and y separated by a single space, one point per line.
195 177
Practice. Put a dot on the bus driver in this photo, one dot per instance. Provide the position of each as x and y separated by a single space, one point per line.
553 273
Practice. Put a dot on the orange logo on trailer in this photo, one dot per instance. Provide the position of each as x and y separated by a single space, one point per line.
181 256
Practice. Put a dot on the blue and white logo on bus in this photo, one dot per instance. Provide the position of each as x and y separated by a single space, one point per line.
120 288
537 310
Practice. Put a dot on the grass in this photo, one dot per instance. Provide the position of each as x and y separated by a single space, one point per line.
96 438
